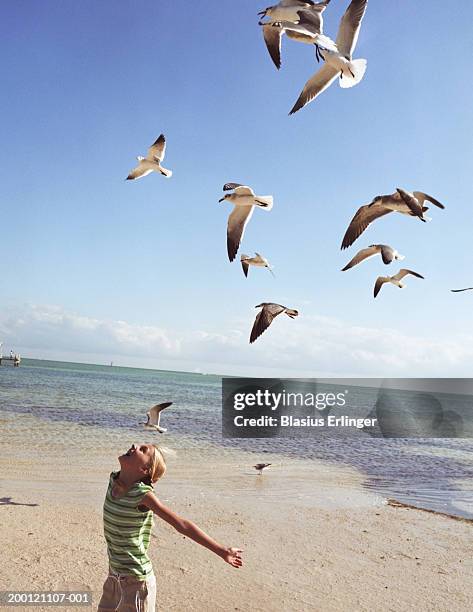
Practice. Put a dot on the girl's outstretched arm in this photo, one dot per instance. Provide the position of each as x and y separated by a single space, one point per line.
190 529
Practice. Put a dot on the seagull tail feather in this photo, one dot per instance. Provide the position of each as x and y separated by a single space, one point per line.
357 69
265 202
167 173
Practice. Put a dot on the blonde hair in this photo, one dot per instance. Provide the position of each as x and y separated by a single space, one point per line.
157 467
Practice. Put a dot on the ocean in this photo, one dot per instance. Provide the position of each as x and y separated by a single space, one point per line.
106 401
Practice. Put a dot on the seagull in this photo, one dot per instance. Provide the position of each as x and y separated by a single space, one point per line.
152 162
288 10
340 62
245 200
458 290
402 201
261 466
395 280
154 415
265 317
307 29
388 254
259 260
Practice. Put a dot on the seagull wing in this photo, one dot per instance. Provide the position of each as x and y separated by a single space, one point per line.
260 259
379 283
404 272
142 169
245 266
315 86
458 290
350 27
361 256
363 217
272 37
158 148
264 319
237 221
155 412
421 196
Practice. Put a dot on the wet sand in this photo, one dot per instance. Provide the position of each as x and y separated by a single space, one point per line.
312 539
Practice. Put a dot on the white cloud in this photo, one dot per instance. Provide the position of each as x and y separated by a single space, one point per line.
308 346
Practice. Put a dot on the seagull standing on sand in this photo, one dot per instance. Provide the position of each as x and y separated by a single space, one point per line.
395 280
152 162
259 261
402 201
259 467
307 29
340 62
154 416
244 200
265 317
388 254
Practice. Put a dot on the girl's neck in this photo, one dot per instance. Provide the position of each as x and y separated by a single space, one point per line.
126 480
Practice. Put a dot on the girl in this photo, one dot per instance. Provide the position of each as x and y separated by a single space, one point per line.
128 517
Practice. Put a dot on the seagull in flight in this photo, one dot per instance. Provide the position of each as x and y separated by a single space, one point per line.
339 62
307 29
458 290
288 10
154 415
152 162
388 254
258 260
244 200
395 280
265 317
401 201
259 467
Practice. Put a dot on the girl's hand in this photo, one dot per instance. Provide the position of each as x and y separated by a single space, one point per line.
233 556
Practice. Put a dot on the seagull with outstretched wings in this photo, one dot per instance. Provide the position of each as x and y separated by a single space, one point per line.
152 162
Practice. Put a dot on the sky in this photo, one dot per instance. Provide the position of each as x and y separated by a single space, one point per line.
95 268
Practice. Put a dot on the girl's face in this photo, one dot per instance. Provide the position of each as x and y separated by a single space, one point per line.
137 459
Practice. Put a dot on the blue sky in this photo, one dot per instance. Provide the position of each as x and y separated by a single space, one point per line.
88 86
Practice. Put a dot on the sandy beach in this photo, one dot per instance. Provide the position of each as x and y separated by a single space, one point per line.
312 539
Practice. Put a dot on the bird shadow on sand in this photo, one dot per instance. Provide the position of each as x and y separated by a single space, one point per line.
7 501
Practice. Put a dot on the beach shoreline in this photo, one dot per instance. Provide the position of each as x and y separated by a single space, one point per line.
313 539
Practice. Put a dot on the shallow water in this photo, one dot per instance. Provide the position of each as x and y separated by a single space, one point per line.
104 405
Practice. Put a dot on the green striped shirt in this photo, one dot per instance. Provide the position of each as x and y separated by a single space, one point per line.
128 530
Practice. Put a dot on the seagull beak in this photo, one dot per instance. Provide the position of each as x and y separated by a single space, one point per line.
221 200
262 13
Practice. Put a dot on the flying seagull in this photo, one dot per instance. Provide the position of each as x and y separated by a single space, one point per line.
152 162
388 254
458 290
259 260
308 29
244 200
154 415
261 466
288 10
401 201
340 62
395 280
265 317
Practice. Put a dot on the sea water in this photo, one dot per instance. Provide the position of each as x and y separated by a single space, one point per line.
431 473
